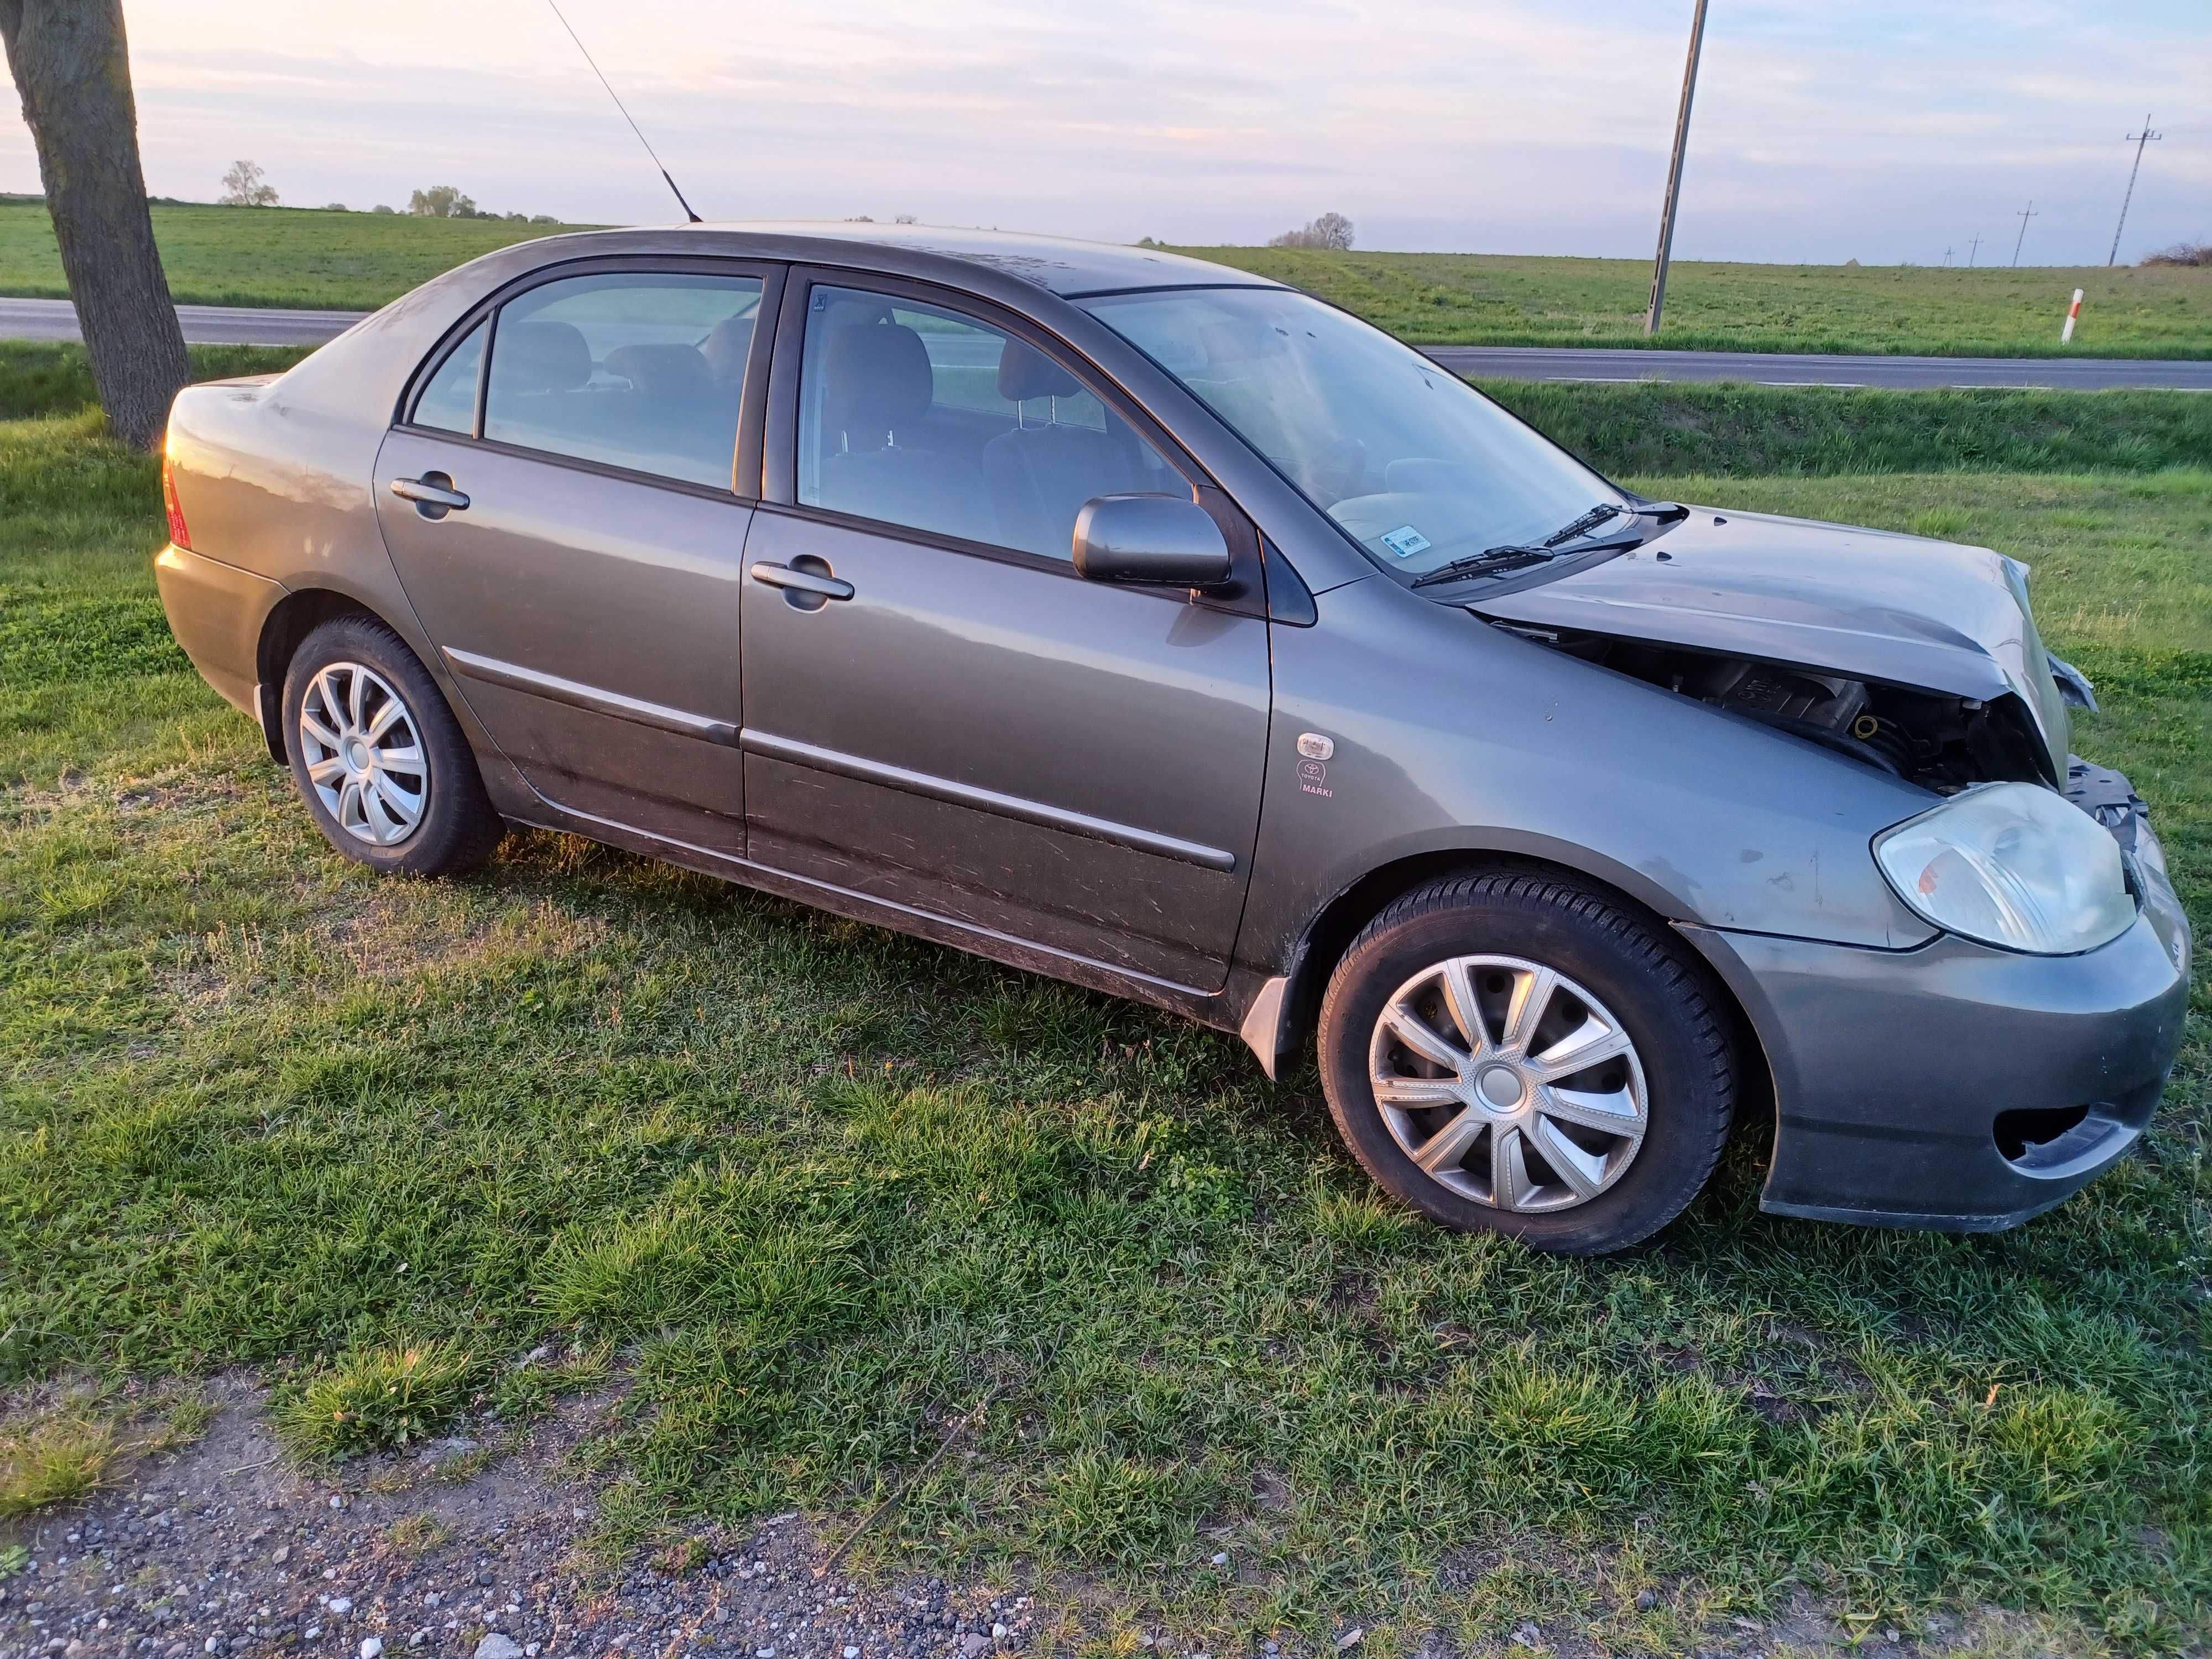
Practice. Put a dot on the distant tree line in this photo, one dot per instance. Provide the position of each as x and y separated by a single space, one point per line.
2182 253
446 202
246 186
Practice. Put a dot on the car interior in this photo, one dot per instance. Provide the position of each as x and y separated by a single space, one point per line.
916 417
909 415
656 404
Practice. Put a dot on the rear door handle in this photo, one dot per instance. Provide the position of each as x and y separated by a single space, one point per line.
432 494
800 580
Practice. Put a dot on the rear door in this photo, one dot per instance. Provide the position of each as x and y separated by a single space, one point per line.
939 712
560 507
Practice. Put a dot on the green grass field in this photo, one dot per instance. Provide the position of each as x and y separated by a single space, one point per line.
1460 298
302 256
821 1189
272 256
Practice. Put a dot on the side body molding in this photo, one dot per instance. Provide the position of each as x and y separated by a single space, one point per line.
470 666
986 800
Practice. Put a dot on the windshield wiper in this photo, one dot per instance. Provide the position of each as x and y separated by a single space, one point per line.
1497 560
1606 510
1491 561
1518 556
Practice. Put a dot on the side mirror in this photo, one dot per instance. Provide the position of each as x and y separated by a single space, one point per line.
1169 540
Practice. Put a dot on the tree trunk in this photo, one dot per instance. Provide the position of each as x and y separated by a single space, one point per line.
73 71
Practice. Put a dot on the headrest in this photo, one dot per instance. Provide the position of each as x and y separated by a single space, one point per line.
1025 373
727 346
661 371
875 379
540 356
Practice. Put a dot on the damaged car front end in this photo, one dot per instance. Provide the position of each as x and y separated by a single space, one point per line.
1976 1079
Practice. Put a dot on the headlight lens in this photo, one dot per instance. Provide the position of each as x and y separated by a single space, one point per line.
2011 865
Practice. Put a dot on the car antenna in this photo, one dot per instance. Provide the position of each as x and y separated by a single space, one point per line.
689 215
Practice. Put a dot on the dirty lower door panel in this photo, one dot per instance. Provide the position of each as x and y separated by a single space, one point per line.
1070 764
592 622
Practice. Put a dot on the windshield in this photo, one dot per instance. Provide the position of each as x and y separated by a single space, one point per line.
1411 462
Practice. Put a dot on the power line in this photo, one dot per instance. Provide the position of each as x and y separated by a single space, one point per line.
624 108
1973 248
1674 175
2024 216
2138 139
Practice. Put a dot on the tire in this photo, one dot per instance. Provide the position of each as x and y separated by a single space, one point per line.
1591 1159
363 809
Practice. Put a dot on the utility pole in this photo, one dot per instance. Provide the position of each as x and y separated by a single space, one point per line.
1946 256
1973 248
2024 216
1674 175
2138 139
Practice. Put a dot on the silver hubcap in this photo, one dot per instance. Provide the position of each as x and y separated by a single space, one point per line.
364 754
1508 1082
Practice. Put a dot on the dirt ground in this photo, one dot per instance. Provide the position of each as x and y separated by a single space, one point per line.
227 1547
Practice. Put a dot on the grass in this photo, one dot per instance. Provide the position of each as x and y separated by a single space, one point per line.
1739 430
38 377
378 1399
78 1438
824 1190
304 257
358 261
60 1456
1467 298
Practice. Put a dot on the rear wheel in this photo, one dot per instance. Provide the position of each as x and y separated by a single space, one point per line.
379 757
1510 1052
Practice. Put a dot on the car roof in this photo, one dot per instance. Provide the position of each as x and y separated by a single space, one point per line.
1058 265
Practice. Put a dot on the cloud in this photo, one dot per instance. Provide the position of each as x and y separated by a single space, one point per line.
1879 131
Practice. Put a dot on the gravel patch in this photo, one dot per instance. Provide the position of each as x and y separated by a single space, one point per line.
459 1549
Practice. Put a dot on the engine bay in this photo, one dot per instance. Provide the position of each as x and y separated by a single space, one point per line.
1941 742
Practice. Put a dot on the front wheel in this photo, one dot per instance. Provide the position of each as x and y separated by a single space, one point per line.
1509 1052
379 757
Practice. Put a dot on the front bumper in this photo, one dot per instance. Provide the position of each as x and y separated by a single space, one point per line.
1953 1085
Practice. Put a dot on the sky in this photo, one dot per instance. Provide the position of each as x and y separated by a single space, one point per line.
1876 130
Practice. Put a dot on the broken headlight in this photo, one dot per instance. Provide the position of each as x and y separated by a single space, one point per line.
2011 865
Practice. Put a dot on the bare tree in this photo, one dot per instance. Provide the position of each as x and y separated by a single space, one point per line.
1331 230
243 185
72 70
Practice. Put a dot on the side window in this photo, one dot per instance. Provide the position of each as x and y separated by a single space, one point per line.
641 369
449 401
911 415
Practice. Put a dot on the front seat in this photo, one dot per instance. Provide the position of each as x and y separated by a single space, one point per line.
876 383
1043 473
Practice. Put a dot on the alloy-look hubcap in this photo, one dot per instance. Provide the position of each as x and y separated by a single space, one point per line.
364 754
1508 1082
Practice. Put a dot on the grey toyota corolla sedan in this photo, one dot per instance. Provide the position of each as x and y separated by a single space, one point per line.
1153 626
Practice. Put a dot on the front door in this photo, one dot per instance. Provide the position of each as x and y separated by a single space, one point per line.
939 712
570 537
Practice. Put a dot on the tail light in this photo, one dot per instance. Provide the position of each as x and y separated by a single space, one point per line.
177 533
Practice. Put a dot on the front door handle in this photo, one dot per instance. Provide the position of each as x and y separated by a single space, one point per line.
807 580
432 494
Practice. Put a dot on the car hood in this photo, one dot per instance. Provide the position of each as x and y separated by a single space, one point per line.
1867 603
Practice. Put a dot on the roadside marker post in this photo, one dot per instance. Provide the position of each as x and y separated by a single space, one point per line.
2066 334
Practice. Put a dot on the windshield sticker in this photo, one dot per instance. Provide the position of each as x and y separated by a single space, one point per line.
1405 541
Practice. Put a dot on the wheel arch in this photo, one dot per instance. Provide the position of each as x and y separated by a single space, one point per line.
1332 927
290 621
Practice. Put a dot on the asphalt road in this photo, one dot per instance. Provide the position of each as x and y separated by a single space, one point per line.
55 319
